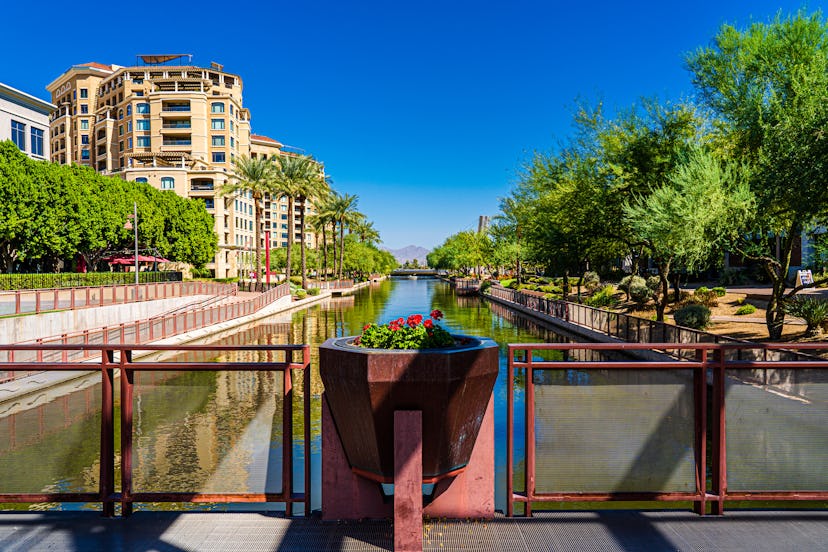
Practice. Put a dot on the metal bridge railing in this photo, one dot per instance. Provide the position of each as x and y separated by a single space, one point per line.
595 425
118 360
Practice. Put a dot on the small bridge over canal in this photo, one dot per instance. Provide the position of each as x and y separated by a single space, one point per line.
418 272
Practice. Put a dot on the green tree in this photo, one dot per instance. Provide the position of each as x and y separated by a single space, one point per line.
700 209
344 213
766 86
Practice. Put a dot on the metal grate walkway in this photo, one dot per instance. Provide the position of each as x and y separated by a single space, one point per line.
621 531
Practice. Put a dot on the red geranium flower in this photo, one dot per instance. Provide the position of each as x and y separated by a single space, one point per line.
400 321
436 314
428 324
365 327
414 320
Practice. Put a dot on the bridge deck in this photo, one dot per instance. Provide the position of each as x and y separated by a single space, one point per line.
607 530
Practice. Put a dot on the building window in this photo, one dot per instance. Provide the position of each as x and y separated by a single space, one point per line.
84 109
217 107
120 130
121 145
84 124
37 141
167 183
142 108
218 140
143 141
129 126
120 114
231 126
18 134
139 93
232 142
209 203
129 110
141 179
85 154
218 157
142 124
84 138
84 93
217 124
231 109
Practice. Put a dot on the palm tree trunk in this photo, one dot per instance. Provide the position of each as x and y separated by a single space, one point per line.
257 222
325 251
333 241
290 238
302 244
341 247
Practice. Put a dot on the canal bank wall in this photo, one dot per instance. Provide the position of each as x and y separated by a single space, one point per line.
36 389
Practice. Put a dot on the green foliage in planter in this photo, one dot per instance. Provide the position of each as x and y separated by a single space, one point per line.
604 297
693 316
640 293
411 333
814 311
745 309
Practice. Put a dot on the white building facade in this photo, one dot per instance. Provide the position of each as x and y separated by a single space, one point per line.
24 119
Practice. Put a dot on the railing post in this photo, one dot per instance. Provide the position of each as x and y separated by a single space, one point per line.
287 436
127 385
719 468
530 433
17 302
700 417
107 460
510 439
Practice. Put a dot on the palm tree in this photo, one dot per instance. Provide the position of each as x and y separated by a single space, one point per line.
256 176
324 216
344 213
300 179
365 231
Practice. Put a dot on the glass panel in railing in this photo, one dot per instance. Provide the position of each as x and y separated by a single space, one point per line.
52 444
776 434
614 430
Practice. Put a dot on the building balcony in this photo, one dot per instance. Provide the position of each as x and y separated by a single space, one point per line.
177 142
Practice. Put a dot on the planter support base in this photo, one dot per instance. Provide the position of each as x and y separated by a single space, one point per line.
408 478
348 496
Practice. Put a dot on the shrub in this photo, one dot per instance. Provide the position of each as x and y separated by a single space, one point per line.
745 309
513 285
301 294
640 294
628 281
654 285
486 284
706 297
693 316
314 291
604 297
296 280
550 289
591 280
719 291
814 311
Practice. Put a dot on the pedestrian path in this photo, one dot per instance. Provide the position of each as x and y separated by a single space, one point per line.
621 531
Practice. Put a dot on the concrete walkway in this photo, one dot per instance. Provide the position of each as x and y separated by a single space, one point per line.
621 531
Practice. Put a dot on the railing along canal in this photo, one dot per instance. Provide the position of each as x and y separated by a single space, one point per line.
118 360
139 332
35 301
598 429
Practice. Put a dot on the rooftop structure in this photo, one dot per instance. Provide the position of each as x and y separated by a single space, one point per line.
24 119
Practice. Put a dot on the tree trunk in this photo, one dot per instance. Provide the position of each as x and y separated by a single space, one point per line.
333 242
566 285
341 247
676 287
661 302
302 244
257 237
291 230
324 251
775 314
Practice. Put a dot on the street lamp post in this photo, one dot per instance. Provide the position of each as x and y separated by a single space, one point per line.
132 224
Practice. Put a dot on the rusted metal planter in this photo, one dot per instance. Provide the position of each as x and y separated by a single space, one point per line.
451 386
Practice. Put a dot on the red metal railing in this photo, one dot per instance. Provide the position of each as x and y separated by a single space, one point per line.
334 284
138 332
715 368
26 301
280 358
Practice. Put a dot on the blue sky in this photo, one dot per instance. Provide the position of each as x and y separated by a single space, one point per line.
425 110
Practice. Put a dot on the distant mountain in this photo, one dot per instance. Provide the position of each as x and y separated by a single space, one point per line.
409 253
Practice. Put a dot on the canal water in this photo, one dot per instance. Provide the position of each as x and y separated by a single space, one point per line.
597 430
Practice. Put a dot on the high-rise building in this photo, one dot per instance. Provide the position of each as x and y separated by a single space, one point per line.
24 120
175 126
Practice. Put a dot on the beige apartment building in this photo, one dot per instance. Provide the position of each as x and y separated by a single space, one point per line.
176 127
